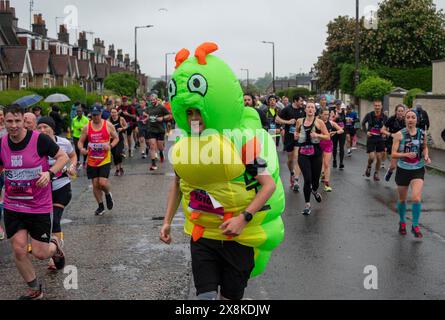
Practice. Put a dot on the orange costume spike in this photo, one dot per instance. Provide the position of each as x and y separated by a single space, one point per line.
250 151
198 232
203 50
181 56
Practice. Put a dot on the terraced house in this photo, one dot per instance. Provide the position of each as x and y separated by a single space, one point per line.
30 58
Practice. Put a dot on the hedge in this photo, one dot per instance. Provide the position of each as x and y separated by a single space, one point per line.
347 75
290 92
411 95
373 88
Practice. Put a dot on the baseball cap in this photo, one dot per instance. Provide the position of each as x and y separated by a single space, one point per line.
124 98
96 110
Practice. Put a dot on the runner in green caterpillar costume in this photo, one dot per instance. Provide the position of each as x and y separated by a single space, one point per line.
217 168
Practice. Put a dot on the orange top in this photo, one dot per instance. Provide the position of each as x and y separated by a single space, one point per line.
97 155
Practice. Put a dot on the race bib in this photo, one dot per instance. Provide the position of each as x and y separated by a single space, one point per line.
292 129
412 147
19 190
97 150
307 150
201 201
273 126
375 131
341 124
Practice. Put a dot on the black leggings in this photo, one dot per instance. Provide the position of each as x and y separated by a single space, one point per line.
311 168
76 148
117 152
339 140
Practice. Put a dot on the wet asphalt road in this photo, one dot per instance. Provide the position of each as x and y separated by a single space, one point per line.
119 256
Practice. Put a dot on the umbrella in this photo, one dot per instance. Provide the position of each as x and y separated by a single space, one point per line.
56 98
26 102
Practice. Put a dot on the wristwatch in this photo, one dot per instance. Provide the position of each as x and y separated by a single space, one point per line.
51 175
247 216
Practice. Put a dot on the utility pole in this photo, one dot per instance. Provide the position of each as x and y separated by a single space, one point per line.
357 43
31 9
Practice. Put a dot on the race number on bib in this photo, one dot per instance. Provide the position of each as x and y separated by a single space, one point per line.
307 150
200 200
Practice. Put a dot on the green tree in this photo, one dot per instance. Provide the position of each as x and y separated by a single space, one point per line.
411 95
410 34
122 83
160 87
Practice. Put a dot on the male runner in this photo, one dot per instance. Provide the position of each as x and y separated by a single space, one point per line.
98 133
28 203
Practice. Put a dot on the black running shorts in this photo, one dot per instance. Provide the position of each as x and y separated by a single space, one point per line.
157 136
221 263
375 146
63 195
99 172
404 177
37 225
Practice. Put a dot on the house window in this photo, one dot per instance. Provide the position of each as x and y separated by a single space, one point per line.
45 45
46 83
29 43
81 83
64 50
57 49
70 51
84 55
38 43
23 83
65 83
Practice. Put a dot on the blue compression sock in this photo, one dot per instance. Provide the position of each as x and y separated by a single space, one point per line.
417 210
401 208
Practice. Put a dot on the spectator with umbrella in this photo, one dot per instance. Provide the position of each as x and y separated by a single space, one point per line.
55 115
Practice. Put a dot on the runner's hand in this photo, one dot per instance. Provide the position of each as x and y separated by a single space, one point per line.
160 119
44 179
72 170
165 234
234 227
296 135
369 134
314 135
292 122
411 155
84 151
427 159
333 133
106 147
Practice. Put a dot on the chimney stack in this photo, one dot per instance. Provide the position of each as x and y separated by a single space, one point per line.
63 35
83 42
39 25
7 15
127 60
111 51
120 56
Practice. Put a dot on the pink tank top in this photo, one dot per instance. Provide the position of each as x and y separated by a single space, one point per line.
22 169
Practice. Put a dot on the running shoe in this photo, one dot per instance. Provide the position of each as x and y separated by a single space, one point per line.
122 172
376 177
307 211
116 174
153 168
342 166
388 175
100 211
354 148
2 234
144 156
109 200
416 232
296 187
59 256
33 294
162 159
322 177
349 153
402 228
292 182
84 165
327 188
368 172
137 145
335 165
124 155
317 196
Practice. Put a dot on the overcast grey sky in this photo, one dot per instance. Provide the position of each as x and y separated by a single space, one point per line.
298 28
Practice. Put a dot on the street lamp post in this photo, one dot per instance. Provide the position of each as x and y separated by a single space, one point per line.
136 47
357 43
166 70
247 70
273 63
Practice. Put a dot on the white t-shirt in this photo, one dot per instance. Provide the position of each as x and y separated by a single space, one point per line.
66 146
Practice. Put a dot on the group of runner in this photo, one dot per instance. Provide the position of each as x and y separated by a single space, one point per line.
314 133
38 166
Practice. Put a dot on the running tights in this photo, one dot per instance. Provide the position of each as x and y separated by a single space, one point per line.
57 218
117 153
311 169
339 140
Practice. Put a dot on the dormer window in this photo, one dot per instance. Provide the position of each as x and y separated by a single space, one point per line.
57 49
64 50
70 51
38 44
79 55
45 45
84 55
29 44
